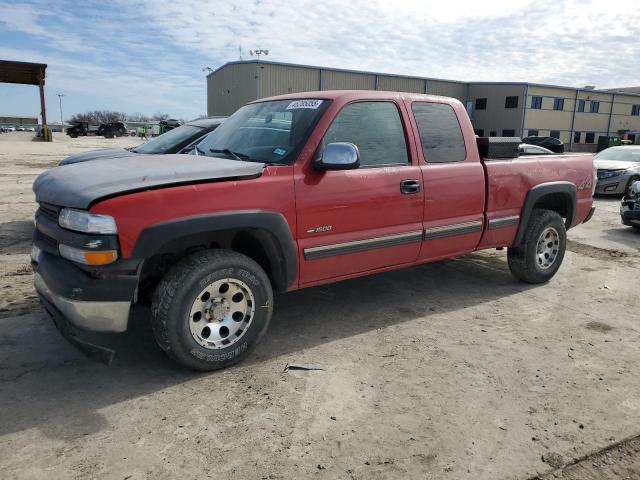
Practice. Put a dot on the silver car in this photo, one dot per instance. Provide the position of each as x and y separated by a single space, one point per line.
618 168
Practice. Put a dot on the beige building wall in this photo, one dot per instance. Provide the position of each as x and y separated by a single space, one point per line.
496 118
336 80
622 119
400 84
447 89
236 84
230 88
283 79
546 120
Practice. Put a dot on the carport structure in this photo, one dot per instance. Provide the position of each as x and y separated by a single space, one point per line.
26 73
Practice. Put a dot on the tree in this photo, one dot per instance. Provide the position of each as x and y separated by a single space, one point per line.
160 116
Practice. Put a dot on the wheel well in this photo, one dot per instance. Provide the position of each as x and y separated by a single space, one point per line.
559 202
257 244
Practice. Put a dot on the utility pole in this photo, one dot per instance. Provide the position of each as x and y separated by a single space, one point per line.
60 95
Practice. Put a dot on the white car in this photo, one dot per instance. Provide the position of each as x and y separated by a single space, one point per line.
21 129
9 129
30 129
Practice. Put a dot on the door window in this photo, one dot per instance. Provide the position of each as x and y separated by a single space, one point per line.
440 133
375 128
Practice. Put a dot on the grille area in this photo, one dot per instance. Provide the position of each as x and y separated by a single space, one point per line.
50 211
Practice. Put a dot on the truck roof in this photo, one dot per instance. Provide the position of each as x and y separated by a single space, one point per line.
350 95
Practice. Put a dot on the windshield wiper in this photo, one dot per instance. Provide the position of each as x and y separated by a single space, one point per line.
231 154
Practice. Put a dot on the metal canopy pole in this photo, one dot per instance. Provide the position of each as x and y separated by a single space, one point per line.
46 136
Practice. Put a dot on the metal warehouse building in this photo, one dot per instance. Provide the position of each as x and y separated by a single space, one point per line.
576 116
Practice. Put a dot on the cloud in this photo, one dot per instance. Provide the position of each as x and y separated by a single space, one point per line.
150 57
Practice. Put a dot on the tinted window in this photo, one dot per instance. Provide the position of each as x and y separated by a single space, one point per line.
594 107
558 103
440 132
171 141
511 102
508 133
581 105
481 103
493 134
635 110
536 102
554 134
576 137
589 137
375 128
533 133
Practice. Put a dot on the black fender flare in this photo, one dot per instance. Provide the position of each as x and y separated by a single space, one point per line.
536 193
280 247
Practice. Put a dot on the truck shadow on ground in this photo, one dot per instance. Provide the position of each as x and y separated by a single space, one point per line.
15 237
46 384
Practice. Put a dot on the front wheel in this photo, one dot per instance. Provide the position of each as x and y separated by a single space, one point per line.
542 250
212 309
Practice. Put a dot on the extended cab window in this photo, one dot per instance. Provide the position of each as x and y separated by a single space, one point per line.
440 133
375 128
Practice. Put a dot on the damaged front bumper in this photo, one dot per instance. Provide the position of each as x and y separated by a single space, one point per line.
630 211
80 303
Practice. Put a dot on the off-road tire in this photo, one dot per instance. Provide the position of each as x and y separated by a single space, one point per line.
175 295
523 260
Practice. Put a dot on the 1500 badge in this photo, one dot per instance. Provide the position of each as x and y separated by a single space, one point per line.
321 229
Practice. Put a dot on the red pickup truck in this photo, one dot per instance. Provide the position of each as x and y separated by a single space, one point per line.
290 192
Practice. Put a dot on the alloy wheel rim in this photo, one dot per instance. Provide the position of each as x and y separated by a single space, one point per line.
221 313
547 248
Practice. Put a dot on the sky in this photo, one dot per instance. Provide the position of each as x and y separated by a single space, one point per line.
148 57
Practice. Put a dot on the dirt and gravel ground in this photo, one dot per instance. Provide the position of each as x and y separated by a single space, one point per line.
451 370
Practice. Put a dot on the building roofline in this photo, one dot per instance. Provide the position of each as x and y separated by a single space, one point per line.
414 77
333 69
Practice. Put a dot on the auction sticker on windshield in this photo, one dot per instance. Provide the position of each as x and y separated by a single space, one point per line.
313 104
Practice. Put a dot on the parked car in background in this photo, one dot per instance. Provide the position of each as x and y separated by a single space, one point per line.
21 129
30 129
178 140
9 128
526 149
630 206
618 168
554 144
288 194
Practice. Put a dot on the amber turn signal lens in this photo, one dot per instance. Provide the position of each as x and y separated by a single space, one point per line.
100 258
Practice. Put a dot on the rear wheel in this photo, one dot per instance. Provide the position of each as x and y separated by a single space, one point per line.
542 250
211 309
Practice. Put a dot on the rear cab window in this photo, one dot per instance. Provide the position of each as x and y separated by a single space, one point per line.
375 127
440 133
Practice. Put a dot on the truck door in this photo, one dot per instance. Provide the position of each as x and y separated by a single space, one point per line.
454 180
369 218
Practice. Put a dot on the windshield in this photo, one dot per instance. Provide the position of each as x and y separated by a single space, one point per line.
171 141
626 154
270 132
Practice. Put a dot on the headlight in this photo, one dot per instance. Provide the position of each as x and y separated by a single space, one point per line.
86 222
602 174
88 257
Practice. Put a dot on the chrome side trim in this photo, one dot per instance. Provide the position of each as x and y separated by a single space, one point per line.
456 229
355 246
91 316
501 222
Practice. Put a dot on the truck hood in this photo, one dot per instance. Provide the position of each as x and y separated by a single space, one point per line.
80 184
614 164
96 154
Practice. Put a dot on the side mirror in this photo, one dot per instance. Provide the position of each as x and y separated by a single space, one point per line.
338 156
